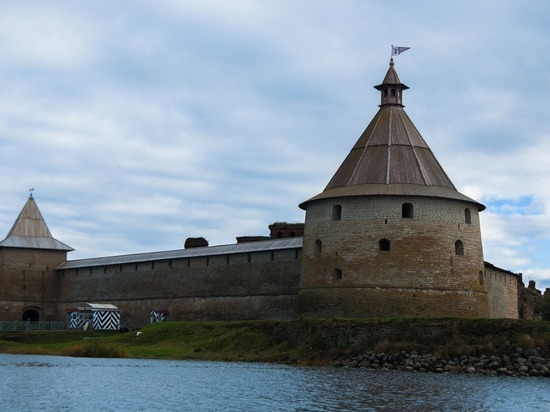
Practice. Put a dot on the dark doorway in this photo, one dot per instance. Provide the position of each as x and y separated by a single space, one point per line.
31 315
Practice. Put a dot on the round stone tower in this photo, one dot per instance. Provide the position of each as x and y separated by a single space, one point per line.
390 235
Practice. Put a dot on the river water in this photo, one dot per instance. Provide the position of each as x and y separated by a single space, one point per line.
52 383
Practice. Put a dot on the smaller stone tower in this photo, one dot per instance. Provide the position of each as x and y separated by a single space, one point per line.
29 256
390 235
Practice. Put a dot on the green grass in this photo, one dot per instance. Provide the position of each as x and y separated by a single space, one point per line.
205 340
302 341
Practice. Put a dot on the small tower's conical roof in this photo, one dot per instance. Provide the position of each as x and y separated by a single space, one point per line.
391 157
31 232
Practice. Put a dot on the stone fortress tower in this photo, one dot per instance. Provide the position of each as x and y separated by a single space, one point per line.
390 235
29 257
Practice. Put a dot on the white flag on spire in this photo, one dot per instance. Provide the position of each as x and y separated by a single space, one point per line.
395 51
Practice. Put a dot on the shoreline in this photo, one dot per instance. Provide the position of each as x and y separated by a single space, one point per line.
502 347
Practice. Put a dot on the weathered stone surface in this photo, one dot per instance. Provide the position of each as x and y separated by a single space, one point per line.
344 272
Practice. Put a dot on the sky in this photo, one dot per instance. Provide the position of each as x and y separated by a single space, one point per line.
141 123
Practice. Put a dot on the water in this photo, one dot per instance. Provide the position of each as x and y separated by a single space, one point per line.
51 383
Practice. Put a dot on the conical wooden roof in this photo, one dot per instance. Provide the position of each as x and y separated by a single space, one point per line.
391 157
31 232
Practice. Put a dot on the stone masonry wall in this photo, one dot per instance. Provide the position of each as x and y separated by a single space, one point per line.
29 280
502 292
238 286
421 274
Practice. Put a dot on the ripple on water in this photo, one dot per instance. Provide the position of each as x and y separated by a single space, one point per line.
84 384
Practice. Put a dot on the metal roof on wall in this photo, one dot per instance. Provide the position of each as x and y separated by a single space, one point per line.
248 247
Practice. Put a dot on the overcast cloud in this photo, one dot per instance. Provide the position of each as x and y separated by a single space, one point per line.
141 123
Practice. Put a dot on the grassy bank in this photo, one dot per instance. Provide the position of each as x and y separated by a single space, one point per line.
299 341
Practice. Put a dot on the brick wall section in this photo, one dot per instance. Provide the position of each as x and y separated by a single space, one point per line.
502 292
259 285
421 275
135 313
29 280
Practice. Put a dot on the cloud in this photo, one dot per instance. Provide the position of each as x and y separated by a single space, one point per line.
140 124
43 40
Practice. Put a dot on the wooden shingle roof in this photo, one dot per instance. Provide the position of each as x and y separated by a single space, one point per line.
391 157
31 232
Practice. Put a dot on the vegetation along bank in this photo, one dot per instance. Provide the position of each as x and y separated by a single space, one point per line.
488 346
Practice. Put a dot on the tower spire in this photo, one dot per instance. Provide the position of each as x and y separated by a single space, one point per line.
391 157
30 231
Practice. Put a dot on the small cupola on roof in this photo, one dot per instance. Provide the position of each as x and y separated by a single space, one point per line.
391 89
391 157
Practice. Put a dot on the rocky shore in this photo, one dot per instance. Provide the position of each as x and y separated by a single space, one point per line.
520 362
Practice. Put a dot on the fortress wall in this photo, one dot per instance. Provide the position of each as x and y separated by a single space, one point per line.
254 285
29 280
135 313
502 293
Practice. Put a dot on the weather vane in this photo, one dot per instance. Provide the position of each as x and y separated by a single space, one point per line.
396 51
31 190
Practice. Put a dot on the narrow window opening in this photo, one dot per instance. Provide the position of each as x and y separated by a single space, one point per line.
296 254
189 262
385 92
207 261
459 248
272 256
318 246
249 258
152 264
337 212
227 259
384 245
467 216
481 277
392 92
337 274
407 210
